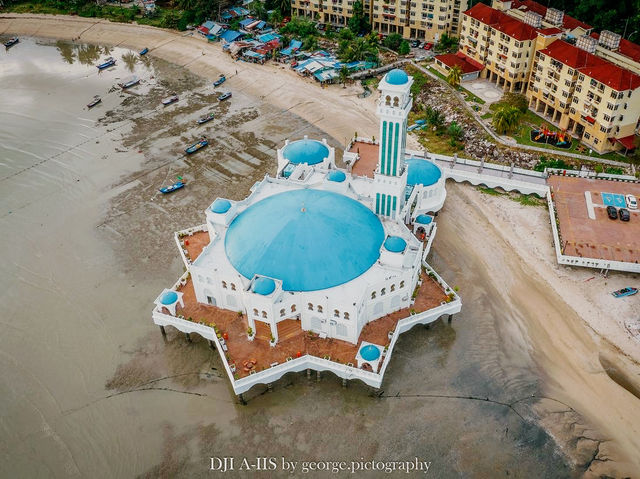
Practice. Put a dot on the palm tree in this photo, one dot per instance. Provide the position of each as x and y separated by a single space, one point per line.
344 75
505 119
435 117
455 131
283 5
454 76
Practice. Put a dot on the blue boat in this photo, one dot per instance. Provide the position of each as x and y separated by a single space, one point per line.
144 51
196 146
107 63
170 189
220 80
11 42
628 291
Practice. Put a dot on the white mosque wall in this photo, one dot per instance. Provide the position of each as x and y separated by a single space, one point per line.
327 163
430 199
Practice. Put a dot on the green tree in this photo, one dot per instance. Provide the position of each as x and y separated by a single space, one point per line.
258 10
435 117
359 22
344 75
275 17
346 34
515 99
506 119
393 41
454 76
284 6
404 48
358 50
447 43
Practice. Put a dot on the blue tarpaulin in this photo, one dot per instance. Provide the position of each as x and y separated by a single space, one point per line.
231 36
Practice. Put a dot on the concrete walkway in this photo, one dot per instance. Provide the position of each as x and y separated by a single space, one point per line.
508 141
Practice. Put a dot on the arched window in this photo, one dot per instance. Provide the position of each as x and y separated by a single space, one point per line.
396 101
264 314
346 315
383 291
393 287
224 284
255 312
373 295
233 287
310 306
319 309
282 312
336 313
387 100
402 284
293 308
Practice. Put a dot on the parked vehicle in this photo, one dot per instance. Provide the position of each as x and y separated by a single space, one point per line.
624 214
632 202
415 43
612 212
428 46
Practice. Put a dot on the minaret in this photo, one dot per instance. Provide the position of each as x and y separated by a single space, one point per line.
390 178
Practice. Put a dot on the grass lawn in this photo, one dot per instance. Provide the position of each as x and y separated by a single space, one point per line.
487 115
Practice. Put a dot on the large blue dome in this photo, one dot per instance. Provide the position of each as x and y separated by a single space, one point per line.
422 172
397 77
310 152
309 239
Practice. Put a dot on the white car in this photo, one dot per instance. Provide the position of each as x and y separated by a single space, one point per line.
632 202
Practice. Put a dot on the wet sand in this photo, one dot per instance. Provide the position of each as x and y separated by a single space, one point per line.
89 387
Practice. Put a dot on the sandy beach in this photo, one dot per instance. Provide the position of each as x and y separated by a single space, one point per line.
91 388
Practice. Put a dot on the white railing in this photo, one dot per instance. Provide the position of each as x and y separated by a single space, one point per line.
591 174
187 232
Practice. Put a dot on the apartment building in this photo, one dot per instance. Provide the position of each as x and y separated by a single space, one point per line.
584 82
423 20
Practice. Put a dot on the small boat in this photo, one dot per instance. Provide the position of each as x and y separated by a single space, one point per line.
205 119
628 291
11 42
224 96
170 100
144 51
220 80
170 189
94 102
106 64
196 146
128 83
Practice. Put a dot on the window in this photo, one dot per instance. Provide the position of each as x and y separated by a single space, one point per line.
607 118
264 314
224 284
581 77
587 136
293 308
621 117
383 291
393 287
255 312
346 315
282 312
233 286
319 309
373 295
401 284
596 141
336 313
310 306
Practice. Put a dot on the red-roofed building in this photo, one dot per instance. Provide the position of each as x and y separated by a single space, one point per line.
470 68
626 54
568 23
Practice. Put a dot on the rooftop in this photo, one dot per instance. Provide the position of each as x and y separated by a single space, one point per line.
306 151
502 22
368 161
626 48
466 64
600 238
567 21
293 339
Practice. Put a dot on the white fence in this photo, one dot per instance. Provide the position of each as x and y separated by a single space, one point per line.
187 232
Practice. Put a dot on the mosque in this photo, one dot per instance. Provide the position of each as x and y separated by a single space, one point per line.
323 246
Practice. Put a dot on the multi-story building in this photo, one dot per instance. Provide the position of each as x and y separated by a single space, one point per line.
413 19
583 82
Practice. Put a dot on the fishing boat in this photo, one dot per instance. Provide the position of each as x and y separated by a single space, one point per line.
129 82
170 189
205 119
224 96
11 42
106 64
197 146
628 291
94 102
220 80
144 51
170 100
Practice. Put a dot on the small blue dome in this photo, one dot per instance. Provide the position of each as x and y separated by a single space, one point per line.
305 238
337 176
370 352
220 206
424 219
310 152
422 172
263 286
395 244
397 77
169 297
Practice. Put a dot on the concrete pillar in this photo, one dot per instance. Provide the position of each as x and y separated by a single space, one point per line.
317 376
450 318
344 383
511 170
481 165
427 326
308 373
455 159
241 399
188 336
212 345
270 387
162 330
